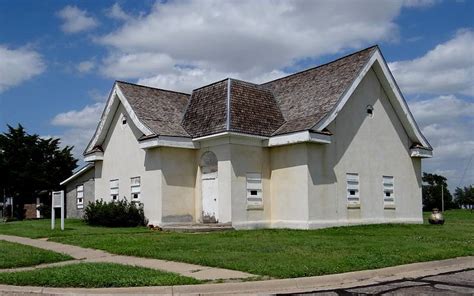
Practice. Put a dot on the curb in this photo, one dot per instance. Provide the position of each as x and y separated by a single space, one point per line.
295 285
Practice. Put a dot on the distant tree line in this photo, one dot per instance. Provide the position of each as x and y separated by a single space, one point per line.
30 165
432 190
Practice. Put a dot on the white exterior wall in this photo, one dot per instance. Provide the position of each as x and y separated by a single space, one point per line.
372 147
179 171
289 186
250 159
123 159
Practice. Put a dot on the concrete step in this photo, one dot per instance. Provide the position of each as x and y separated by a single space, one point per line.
206 227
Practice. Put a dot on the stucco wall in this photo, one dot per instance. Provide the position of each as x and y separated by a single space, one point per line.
372 147
249 159
87 179
289 186
179 177
124 159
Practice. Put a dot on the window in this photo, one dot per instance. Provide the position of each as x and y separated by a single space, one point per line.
254 189
388 196
80 196
135 188
114 189
352 188
124 119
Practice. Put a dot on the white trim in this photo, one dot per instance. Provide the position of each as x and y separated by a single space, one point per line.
107 117
398 102
421 153
145 130
225 134
298 137
95 156
167 141
228 104
78 173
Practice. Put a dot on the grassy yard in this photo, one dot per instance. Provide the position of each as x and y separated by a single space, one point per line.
283 253
74 227
16 255
94 275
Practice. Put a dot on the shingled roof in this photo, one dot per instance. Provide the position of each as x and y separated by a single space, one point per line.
232 105
293 103
306 97
160 110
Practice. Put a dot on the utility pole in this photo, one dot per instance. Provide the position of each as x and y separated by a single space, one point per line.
442 198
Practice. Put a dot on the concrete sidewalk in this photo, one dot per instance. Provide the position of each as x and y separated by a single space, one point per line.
91 255
296 285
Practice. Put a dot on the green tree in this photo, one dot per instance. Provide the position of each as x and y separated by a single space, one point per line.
431 192
30 164
464 197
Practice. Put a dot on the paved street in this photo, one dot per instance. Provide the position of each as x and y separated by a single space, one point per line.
453 283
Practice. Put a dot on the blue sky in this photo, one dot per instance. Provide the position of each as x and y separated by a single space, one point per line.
58 59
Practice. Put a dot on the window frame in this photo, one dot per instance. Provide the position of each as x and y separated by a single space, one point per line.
388 184
254 184
353 184
80 204
134 186
113 188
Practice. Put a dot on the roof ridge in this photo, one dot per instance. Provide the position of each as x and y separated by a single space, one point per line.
207 85
155 88
318 66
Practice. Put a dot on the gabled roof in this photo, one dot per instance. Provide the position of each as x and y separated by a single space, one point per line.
306 97
305 101
160 110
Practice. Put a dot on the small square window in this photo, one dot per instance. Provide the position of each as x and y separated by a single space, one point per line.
253 192
352 192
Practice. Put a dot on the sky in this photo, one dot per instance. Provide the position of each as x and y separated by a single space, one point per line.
59 59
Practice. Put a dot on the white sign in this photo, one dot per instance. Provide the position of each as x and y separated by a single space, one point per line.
57 202
57 199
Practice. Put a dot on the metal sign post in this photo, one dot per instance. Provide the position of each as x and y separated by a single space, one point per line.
57 202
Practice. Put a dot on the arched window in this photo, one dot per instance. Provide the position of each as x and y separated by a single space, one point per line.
208 162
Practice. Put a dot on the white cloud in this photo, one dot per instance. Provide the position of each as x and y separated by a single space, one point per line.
251 38
446 69
135 65
447 122
18 65
76 20
442 109
88 117
85 66
116 12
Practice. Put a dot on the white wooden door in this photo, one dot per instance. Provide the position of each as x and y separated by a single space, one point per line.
209 198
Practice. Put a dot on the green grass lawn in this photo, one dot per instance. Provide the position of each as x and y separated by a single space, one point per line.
16 255
42 228
94 275
286 253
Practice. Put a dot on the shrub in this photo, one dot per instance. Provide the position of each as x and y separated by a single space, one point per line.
114 214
